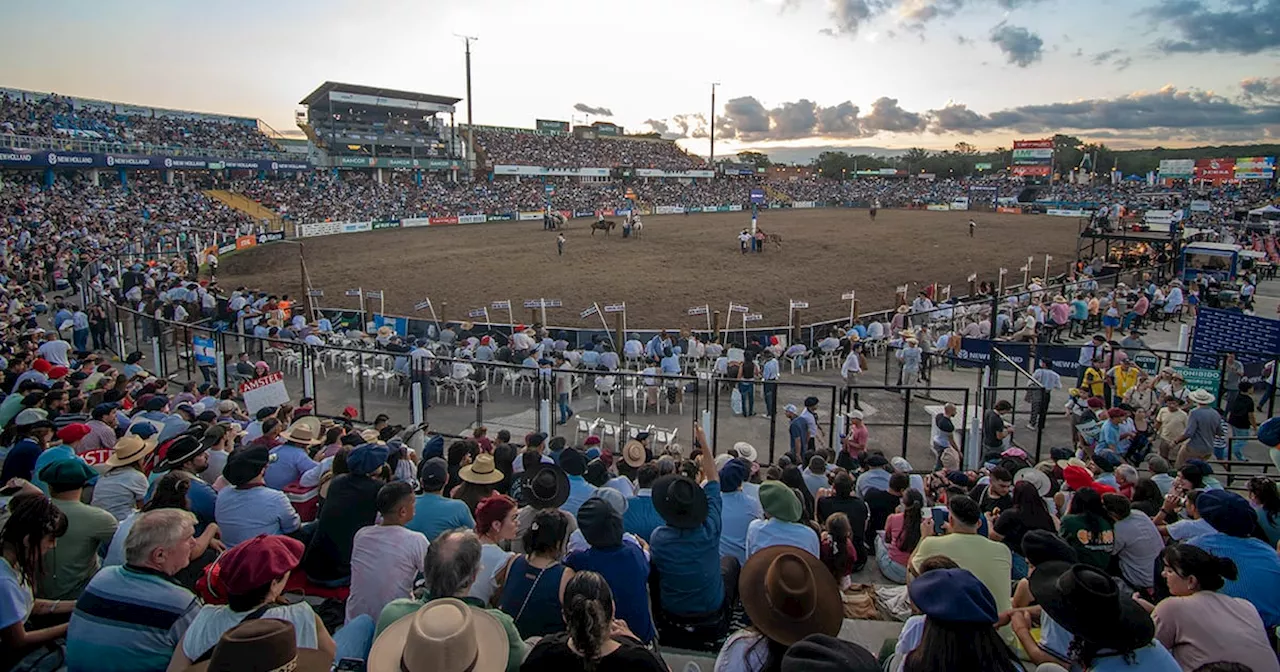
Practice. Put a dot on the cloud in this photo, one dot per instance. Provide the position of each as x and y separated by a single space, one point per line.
1123 63
1021 47
1104 56
597 111
660 127
1168 108
963 41
886 115
850 15
1242 27
747 119
1261 87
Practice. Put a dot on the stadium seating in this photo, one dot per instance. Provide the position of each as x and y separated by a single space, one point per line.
563 151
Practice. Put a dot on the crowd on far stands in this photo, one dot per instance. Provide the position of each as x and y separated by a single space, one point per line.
524 148
55 116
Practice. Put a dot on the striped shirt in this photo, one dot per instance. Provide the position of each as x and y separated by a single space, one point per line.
128 618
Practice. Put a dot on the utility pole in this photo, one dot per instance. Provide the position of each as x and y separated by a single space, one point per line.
471 133
713 124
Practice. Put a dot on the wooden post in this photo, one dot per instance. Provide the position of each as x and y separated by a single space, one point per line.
715 335
533 316
795 336
622 338
856 311
444 313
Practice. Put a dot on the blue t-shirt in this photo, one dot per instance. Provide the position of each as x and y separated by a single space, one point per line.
203 499
739 509
1259 571
1150 658
626 570
579 492
689 562
435 514
798 431
1270 526
641 519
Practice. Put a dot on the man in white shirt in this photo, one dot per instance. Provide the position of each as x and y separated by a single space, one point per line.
387 557
849 371
55 350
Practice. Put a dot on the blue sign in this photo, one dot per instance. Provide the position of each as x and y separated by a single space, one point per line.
1219 331
757 196
206 350
26 158
550 189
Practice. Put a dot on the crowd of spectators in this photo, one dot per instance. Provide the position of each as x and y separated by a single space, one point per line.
58 116
525 148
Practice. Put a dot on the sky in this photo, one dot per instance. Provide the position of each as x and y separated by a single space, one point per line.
885 73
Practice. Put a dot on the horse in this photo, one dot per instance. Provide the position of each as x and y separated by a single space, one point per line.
604 225
637 227
558 221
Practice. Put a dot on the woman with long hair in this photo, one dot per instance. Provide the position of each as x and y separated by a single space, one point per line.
793 478
1266 505
1199 625
1029 512
959 626
1147 497
901 536
594 640
839 553
531 585
170 493
1088 529
32 530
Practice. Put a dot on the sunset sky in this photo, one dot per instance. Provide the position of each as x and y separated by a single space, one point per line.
887 73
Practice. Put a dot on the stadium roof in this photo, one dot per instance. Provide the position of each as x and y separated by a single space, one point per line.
324 89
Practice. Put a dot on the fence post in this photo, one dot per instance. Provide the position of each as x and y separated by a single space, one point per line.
308 372
220 359
906 420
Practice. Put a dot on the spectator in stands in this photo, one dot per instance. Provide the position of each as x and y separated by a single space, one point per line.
823 653
641 518
34 525
351 503
102 634
532 585
788 594
292 459
495 525
900 538
171 492
1137 543
249 509
781 525
122 490
452 563
1257 564
959 633
841 498
1088 528
623 566
433 513
594 640
89 531
388 557
1028 512
740 510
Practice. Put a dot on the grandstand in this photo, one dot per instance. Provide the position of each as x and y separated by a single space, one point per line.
369 127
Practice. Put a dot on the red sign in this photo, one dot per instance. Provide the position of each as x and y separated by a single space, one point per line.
96 456
1009 210
1215 170
441 221
246 241
269 379
1033 144
1035 171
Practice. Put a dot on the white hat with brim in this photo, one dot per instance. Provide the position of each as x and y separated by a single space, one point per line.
304 431
746 451
129 449
1035 477
444 635
1201 397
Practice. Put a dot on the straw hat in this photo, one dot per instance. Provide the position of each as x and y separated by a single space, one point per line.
746 451
129 449
633 453
1201 397
904 309
304 431
1059 299
481 472
444 635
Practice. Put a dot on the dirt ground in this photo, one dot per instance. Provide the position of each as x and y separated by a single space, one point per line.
681 261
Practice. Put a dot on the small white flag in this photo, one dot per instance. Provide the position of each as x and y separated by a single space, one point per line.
752 317
315 292
353 292
422 305
699 310
616 308
848 296
799 305
501 305
588 312
735 308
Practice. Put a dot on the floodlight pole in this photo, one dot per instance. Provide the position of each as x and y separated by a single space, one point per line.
471 133
713 124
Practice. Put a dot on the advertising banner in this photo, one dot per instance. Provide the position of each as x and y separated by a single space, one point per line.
652 172
1177 168
1009 210
586 213
243 242
1219 330
803 204
696 208
1031 155
25 158
318 229
377 226
1161 216
937 207
270 237
1065 212
471 219
757 196
735 208
982 166
1032 171
1255 167
1201 206
394 162
529 216
540 170
356 227
960 204
1215 170
501 217
546 125
268 390
411 222
443 221
1033 144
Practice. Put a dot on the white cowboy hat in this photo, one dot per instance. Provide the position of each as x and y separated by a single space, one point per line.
1201 397
1035 477
129 449
444 635
304 431
746 451
904 309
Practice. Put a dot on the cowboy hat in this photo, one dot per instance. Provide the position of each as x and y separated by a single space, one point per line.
1201 397
129 449
634 454
546 487
182 449
1034 477
262 645
385 330
904 309
304 431
789 594
746 451
481 472
1086 602
444 635
680 501
1058 298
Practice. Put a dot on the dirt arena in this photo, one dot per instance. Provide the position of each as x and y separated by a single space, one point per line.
681 261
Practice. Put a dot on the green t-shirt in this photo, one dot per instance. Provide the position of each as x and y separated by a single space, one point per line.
1092 547
397 609
70 565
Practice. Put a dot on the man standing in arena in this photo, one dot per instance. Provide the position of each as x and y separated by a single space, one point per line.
560 244
972 225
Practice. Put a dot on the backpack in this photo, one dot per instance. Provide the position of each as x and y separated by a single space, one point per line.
1269 433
